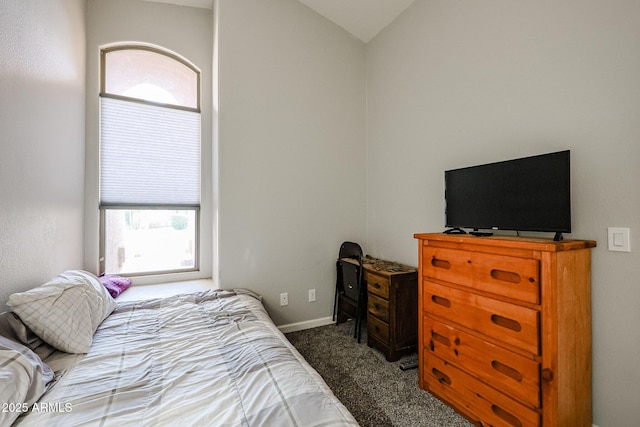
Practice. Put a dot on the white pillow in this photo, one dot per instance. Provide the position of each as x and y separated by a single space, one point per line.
66 311
23 379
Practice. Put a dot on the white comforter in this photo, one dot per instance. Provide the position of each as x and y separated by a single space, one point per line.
208 359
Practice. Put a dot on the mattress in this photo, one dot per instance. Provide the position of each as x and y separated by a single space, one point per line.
211 358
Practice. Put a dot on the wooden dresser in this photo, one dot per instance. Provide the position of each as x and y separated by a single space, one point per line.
392 307
505 328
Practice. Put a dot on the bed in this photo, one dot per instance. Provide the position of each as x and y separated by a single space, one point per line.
211 358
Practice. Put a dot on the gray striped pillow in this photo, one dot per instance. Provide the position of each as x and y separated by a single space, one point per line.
23 379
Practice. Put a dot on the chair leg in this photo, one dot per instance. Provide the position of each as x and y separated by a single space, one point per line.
335 298
357 320
358 326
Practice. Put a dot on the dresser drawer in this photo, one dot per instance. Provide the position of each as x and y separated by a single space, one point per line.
378 307
377 285
504 275
486 405
511 373
506 322
378 329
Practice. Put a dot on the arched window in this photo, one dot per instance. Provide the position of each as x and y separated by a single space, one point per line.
149 161
148 74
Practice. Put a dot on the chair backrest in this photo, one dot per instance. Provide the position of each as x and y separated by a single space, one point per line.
350 250
349 274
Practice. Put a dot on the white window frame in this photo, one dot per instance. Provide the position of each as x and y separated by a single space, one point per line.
103 208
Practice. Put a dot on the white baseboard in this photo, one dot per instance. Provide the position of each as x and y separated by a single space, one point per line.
308 324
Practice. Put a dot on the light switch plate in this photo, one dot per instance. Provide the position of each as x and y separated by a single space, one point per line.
619 239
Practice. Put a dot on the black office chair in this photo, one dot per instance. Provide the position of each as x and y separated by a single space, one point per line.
351 296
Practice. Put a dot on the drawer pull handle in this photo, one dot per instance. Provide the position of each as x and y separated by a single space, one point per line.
547 374
508 417
441 376
440 263
506 322
441 338
441 301
505 276
507 370
376 285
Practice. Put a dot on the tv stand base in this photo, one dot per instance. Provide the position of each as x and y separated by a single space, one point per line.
481 233
455 230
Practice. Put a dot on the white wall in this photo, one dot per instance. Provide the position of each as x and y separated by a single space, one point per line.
187 31
42 89
291 152
452 84
449 84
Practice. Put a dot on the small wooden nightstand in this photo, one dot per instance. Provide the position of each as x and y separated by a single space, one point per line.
392 307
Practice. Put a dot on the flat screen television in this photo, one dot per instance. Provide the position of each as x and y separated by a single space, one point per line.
526 194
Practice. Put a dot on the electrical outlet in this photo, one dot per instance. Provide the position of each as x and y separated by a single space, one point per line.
284 299
312 295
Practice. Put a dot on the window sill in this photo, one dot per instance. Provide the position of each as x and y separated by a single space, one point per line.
150 291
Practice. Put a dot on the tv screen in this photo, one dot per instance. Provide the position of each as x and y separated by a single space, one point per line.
527 194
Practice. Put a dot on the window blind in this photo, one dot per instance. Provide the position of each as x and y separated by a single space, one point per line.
150 155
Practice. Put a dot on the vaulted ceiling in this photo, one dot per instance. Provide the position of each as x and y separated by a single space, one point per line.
362 18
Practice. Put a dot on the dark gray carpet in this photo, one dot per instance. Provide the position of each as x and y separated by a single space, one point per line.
378 393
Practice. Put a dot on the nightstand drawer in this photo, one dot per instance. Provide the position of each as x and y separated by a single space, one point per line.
378 329
377 285
378 307
486 405
512 277
506 371
510 323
